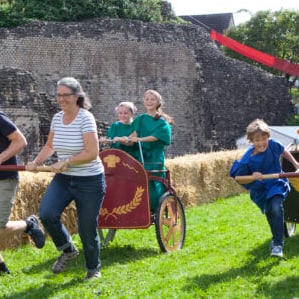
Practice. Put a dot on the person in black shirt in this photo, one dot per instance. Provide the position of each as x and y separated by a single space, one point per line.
12 142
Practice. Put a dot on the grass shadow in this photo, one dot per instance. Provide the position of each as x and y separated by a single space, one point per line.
125 254
291 248
251 267
75 265
109 256
288 288
46 290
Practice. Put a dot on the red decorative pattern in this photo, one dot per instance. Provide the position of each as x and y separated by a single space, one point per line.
126 203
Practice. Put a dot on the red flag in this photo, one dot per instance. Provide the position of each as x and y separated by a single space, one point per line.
256 55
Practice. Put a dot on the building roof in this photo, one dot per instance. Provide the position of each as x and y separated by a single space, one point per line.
218 22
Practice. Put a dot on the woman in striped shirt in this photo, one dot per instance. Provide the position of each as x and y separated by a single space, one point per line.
80 176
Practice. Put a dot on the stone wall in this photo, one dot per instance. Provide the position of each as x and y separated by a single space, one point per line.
211 97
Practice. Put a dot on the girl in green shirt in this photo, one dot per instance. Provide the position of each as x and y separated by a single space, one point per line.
153 130
122 128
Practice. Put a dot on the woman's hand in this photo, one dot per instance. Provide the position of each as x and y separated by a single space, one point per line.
31 166
60 166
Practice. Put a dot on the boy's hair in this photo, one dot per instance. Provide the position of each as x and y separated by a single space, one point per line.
257 126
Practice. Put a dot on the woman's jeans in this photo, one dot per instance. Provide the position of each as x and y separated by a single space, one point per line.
88 193
275 217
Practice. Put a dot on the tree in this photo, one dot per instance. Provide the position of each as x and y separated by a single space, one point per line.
275 33
17 12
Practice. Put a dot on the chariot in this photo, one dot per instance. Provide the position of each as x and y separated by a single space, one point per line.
291 204
126 203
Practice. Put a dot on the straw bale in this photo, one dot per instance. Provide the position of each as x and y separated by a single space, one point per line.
197 179
204 177
31 188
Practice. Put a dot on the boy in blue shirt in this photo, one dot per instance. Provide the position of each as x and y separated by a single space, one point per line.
263 157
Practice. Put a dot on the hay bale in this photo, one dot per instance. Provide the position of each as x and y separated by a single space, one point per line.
204 177
197 179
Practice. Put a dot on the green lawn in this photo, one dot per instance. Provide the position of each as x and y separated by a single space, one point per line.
226 255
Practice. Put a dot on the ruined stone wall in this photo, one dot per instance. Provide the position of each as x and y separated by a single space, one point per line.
211 97
19 100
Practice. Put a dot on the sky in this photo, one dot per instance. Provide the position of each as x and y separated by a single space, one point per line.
202 7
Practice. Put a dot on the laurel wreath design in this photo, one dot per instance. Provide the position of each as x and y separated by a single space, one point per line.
124 209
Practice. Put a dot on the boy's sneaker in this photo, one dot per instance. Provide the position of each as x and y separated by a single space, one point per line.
92 274
35 232
61 263
277 251
3 269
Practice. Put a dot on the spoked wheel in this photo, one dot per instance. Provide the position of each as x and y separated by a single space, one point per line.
289 229
106 235
170 223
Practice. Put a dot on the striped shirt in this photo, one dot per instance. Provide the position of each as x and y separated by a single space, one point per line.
68 141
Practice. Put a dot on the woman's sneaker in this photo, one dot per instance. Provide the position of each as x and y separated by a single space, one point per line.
61 263
35 232
277 251
92 274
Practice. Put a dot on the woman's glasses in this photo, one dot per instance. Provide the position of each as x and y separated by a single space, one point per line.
64 96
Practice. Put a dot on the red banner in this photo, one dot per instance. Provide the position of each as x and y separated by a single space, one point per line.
256 55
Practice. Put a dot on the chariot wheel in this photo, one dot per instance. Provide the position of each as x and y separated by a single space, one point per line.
170 223
106 236
289 229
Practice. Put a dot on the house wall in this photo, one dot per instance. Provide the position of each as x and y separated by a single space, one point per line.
211 97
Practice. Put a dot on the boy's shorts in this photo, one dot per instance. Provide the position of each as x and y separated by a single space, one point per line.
8 190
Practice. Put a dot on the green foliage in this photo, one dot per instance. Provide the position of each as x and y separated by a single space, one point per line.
293 120
17 12
295 92
226 255
275 33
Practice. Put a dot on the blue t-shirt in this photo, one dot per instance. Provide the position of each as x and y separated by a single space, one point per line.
266 162
7 127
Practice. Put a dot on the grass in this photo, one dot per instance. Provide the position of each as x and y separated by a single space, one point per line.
226 255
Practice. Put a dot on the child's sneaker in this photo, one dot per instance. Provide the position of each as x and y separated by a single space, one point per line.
61 263
277 251
35 232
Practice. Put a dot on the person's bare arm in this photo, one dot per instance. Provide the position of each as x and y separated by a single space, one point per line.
144 139
46 152
17 144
